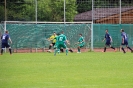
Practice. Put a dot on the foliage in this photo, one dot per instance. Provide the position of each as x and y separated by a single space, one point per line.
51 10
47 10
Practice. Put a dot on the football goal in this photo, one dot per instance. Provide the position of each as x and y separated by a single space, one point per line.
34 35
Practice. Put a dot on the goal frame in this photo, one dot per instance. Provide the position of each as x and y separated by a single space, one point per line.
40 22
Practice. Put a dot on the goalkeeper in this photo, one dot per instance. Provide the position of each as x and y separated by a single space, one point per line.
53 41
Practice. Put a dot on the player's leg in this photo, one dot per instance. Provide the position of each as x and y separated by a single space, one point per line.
66 51
10 49
65 47
61 50
80 46
2 48
78 49
8 46
128 47
57 49
50 46
122 44
106 44
123 50
70 50
112 47
105 48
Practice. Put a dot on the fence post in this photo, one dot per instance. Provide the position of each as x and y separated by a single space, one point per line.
120 13
92 28
64 10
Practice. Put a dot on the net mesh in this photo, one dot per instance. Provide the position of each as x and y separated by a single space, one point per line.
32 35
1 30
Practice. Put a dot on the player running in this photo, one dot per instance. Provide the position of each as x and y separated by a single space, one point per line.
124 41
108 40
61 43
4 42
81 43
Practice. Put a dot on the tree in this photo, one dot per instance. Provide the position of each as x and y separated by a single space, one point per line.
54 10
83 5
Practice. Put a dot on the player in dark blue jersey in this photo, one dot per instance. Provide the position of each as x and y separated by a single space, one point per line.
108 40
124 41
4 42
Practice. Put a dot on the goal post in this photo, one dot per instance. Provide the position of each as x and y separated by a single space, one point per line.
33 35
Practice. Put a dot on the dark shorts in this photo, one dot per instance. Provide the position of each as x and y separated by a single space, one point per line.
53 44
125 43
3 45
108 43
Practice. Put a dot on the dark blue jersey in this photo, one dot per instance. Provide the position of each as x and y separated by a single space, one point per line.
124 35
5 38
107 37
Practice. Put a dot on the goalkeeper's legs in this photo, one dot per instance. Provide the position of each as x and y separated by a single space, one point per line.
50 46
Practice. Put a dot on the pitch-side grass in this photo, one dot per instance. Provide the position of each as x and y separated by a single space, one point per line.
83 70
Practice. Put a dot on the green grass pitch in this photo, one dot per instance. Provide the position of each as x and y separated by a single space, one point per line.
84 70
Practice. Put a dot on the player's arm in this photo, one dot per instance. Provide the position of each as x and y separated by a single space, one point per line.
122 39
67 42
50 38
104 38
77 42
10 40
110 38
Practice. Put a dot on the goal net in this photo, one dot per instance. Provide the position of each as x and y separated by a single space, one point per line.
1 30
34 35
